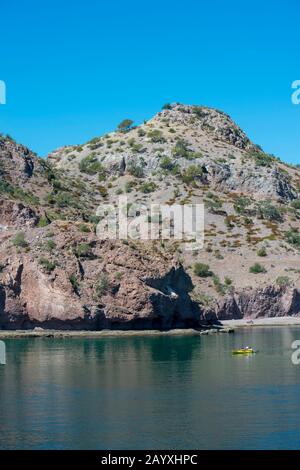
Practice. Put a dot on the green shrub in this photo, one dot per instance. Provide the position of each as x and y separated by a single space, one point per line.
242 204
227 281
296 204
129 185
135 146
141 132
262 251
181 149
50 245
135 170
293 237
125 125
103 191
148 187
43 222
213 203
191 174
267 210
257 269
90 165
169 166
95 140
62 199
74 282
283 281
166 163
200 113
84 228
167 106
47 265
102 285
156 136
19 240
18 193
261 158
220 288
202 270
83 250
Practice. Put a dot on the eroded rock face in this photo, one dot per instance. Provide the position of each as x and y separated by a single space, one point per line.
16 214
113 286
268 302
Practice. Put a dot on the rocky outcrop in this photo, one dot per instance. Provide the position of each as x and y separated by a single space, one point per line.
16 214
113 286
268 302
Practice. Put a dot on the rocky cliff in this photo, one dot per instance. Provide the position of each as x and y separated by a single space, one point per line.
55 272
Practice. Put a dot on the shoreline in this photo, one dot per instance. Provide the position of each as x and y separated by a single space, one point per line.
226 326
253 322
39 333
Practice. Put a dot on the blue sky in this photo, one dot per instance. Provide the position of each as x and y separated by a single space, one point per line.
75 69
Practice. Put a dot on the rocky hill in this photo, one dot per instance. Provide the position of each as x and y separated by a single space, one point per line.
55 272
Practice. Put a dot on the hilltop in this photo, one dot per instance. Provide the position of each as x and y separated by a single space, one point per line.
55 272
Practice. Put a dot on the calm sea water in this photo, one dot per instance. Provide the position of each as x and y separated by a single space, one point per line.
151 392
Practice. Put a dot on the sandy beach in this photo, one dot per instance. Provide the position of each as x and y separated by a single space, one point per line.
276 321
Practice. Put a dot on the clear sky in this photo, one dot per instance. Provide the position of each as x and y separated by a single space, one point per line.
75 69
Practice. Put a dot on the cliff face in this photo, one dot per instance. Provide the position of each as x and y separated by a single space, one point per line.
271 301
92 284
56 273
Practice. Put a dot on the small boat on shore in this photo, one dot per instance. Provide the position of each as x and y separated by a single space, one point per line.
246 350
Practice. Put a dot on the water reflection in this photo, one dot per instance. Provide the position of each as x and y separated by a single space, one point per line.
151 392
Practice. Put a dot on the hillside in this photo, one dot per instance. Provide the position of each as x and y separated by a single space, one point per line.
55 272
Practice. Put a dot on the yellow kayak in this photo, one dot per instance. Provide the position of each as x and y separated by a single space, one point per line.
244 351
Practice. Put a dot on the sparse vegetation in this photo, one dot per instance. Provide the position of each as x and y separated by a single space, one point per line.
257 269
50 244
43 222
293 237
125 125
91 165
135 170
74 282
156 136
267 210
261 158
48 266
102 285
19 240
84 228
283 281
262 251
202 270
84 250
242 205
148 187
192 174
168 165
296 204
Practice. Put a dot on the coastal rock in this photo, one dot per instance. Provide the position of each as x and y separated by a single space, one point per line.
268 302
116 287
56 273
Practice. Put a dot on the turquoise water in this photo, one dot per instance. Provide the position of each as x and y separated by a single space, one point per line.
151 392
